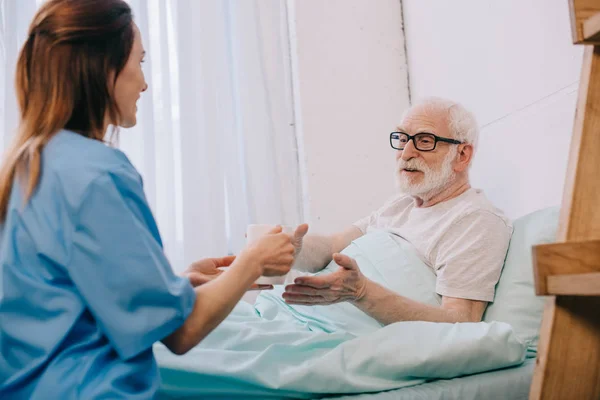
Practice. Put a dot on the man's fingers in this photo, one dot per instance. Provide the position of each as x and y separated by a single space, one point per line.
303 290
317 282
294 297
300 303
344 261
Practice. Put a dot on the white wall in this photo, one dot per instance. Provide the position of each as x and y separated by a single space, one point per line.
511 62
351 88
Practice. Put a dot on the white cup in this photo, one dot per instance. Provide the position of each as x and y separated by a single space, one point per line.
253 233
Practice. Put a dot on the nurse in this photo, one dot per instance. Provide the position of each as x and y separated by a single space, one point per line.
85 286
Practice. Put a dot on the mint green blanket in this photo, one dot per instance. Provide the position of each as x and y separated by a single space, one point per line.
273 349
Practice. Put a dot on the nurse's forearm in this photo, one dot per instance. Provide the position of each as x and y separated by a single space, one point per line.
317 251
214 301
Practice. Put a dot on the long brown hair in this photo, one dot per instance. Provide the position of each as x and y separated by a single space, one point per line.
73 51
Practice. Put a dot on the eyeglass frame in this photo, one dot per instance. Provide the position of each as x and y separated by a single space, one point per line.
435 137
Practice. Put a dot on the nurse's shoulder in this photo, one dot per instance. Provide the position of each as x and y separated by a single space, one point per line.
76 162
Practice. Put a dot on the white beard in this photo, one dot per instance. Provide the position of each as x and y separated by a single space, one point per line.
433 182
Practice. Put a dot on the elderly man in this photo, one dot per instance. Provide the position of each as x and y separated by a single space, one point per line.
454 228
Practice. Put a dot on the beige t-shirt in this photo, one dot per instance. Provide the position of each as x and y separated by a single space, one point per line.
464 240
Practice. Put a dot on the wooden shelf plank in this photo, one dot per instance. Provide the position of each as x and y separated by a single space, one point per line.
564 259
591 28
581 12
568 360
574 285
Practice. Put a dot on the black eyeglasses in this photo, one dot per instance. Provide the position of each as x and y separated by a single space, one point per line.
422 141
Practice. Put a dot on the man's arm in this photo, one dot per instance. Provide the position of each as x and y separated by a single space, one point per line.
388 307
472 254
316 251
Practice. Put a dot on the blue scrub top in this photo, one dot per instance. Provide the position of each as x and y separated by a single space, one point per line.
85 286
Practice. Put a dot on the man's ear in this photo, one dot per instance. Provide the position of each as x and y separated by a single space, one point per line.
465 154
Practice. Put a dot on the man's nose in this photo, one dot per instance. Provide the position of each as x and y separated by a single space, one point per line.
410 151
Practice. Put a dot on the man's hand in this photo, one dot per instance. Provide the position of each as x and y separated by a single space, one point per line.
208 269
345 284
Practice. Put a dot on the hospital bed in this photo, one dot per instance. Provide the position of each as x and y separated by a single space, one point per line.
516 305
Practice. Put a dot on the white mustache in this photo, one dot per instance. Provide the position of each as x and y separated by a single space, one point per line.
415 163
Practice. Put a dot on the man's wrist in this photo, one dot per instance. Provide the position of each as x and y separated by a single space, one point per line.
362 292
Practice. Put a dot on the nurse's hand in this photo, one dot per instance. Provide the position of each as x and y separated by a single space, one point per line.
206 270
274 252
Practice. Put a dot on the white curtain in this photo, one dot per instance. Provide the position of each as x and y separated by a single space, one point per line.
215 139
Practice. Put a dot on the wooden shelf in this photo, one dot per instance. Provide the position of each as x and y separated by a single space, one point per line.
568 359
574 285
591 28
583 20
560 267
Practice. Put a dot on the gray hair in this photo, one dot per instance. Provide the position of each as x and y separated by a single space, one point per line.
461 122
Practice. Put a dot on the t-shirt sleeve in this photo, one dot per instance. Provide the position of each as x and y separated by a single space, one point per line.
470 256
364 223
120 270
